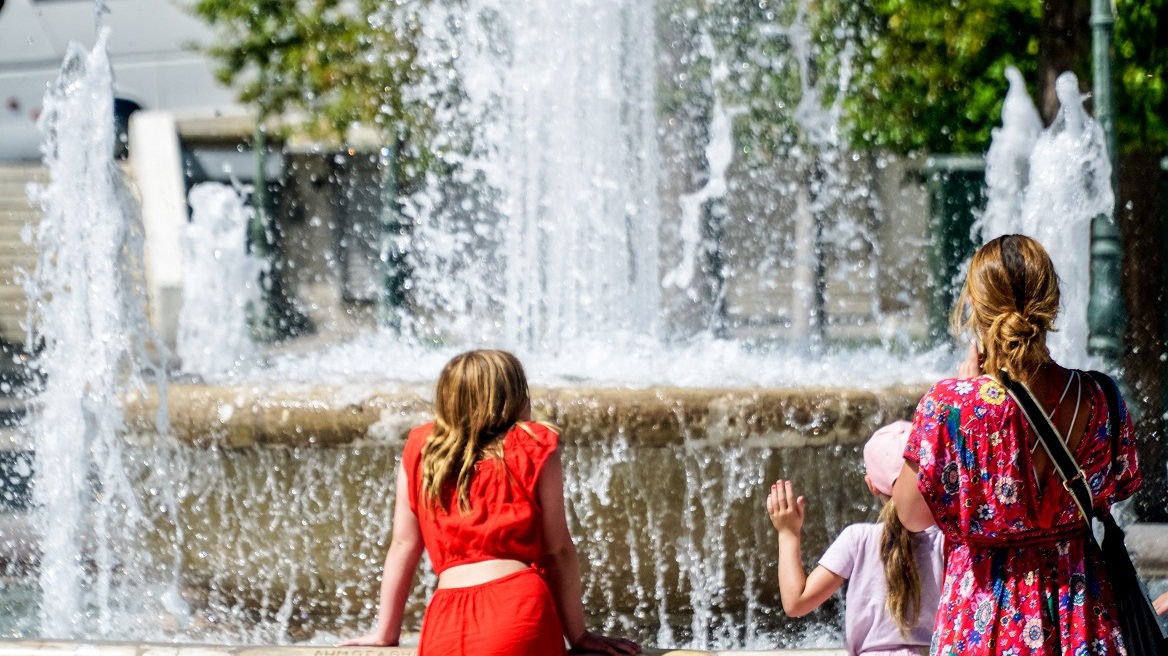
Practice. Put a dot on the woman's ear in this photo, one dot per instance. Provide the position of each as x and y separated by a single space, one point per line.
871 488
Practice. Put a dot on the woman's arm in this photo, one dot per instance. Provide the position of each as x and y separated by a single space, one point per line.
911 507
799 593
1161 604
401 561
563 566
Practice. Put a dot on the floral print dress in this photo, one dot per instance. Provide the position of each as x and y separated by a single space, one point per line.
1022 577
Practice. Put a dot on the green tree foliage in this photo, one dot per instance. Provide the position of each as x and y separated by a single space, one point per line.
920 75
337 62
934 76
933 79
1141 56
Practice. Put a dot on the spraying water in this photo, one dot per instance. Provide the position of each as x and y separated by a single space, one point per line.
1064 185
548 229
88 312
1070 185
1008 161
719 155
220 284
544 235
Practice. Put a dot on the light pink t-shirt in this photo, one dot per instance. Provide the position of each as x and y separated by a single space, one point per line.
868 627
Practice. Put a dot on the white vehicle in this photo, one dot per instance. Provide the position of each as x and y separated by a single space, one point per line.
153 50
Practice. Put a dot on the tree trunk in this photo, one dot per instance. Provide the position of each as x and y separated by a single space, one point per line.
1141 214
1064 44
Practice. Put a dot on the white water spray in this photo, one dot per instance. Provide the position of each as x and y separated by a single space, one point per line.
1068 185
89 314
1008 161
220 284
719 156
548 231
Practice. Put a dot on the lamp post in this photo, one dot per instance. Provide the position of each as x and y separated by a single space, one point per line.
1106 317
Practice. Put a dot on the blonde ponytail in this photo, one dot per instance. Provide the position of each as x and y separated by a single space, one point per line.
900 571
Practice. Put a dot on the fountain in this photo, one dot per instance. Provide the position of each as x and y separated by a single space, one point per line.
1049 185
90 317
1008 160
221 284
259 492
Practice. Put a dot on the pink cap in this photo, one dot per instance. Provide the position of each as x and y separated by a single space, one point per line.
884 455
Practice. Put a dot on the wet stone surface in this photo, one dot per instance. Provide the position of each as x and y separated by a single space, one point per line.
235 417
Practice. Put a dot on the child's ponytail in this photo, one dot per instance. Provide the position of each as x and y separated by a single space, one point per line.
900 571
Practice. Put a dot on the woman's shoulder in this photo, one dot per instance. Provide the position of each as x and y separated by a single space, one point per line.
417 439
962 392
961 387
535 440
539 432
419 434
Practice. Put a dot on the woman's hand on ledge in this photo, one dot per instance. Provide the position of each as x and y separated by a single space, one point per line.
594 643
1161 604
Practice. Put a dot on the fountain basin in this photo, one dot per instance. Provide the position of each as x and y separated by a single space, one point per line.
335 416
285 496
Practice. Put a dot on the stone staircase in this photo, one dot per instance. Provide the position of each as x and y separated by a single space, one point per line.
15 212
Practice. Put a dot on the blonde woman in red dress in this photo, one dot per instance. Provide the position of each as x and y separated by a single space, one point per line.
1022 575
481 488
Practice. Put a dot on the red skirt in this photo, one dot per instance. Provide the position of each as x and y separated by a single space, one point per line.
513 615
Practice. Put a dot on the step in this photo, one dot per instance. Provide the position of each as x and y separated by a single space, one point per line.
17 206
98 648
37 171
1148 545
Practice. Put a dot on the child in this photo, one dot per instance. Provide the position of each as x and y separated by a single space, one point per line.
894 575
482 489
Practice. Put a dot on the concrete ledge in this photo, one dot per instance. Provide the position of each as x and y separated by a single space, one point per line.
34 648
323 416
1148 545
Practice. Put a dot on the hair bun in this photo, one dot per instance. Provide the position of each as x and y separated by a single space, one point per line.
1021 329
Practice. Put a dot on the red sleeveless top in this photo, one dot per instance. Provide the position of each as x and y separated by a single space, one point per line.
505 520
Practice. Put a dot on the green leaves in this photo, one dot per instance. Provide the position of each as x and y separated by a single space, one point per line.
337 62
934 79
1141 64
927 75
934 76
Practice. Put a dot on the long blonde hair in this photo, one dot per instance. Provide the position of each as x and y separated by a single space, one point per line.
900 571
1010 301
479 397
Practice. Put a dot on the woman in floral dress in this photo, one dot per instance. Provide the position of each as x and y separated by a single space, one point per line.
1022 574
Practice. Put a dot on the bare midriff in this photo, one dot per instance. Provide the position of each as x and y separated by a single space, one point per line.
464 576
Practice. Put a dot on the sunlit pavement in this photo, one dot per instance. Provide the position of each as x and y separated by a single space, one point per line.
33 648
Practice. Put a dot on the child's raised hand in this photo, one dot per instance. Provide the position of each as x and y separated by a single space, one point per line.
785 509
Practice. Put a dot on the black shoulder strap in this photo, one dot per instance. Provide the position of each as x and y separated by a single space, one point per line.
1053 443
1114 423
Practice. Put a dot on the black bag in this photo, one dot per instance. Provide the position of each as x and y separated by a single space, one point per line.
1142 633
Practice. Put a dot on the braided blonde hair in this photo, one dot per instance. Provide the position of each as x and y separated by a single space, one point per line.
901 578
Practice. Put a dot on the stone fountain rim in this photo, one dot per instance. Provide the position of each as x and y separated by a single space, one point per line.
322 416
